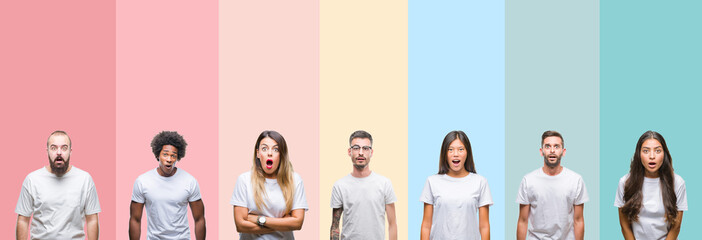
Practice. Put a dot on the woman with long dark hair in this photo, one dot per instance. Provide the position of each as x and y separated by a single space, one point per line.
651 198
455 196
269 201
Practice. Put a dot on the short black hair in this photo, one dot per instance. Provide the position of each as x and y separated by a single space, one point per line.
168 138
360 134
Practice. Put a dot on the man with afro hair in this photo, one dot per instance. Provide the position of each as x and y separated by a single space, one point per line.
166 192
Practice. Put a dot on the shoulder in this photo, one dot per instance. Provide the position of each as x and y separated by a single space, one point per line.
679 180
297 178
381 178
623 179
245 177
435 178
571 174
479 177
146 175
342 181
186 175
532 174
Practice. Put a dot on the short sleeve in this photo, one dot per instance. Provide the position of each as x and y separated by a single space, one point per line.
581 193
26 201
336 198
681 194
300 201
92 203
137 193
485 195
389 192
239 196
522 195
194 191
427 195
619 197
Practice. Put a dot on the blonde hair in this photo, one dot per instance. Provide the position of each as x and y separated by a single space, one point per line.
284 173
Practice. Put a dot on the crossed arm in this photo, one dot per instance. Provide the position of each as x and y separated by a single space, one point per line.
248 223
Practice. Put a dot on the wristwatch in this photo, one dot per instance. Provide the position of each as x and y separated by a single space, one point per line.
261 220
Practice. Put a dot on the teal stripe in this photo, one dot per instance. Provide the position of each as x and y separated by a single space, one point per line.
650 71
552 84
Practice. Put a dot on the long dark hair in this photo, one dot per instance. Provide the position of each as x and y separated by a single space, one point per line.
633 195
469 165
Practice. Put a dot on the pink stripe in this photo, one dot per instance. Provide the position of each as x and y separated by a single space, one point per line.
57 65
167 80
269 80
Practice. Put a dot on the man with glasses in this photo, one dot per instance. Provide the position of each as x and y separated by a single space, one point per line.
60 199
363 196
551 197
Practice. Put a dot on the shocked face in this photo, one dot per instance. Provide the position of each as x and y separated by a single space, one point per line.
268 155
652 156
360 152
552 150
59 149
167 160
456 156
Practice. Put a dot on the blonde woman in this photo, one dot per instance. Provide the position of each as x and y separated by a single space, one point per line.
269 201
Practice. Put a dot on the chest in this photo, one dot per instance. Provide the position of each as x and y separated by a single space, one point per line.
64 194
456 194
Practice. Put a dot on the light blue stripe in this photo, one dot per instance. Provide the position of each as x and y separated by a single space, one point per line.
456 82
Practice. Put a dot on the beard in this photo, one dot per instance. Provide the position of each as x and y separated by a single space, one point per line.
552 165
59 171
361 166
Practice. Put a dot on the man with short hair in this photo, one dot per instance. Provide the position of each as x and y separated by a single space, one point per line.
59 198
363 196
166 192
551 197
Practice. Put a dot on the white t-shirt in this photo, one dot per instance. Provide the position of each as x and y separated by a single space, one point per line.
363 201
652 223
243 197
166 200
551 200
456 202
58 204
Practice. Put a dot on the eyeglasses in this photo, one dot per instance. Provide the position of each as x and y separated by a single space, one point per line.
356 148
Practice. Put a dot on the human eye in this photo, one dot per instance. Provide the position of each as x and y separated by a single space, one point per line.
275 149
659 151
366 148
52 148
355 147
645 151
64 148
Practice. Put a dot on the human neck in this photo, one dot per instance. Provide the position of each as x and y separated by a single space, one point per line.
361 173
552 171
458 174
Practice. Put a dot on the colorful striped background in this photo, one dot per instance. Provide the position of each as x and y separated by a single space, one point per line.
114 73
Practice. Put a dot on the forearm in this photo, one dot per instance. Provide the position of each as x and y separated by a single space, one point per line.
287 223
675 229
627 233
200 229
579 229
522 229
245 226
392 231
134 228
334 232
485 231
93 228
22 229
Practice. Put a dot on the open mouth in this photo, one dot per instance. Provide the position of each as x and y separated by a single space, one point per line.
269 164
456 162
651 164
59 160
169 167
552 157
